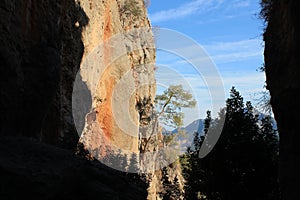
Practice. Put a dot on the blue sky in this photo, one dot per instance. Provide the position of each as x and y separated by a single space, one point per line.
231 34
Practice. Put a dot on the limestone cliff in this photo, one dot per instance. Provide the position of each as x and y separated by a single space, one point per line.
283 82
118 71
43 46
41 52
117 67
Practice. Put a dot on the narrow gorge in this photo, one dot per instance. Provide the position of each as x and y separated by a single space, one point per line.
75 70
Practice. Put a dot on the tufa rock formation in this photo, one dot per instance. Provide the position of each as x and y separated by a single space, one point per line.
283 72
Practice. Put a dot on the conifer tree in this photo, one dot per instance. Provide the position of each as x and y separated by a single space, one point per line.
243 163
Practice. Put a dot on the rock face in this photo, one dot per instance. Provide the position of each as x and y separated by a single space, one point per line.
283 81
43 45
41 52
117 68
75 68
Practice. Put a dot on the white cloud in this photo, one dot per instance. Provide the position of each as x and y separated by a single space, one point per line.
234 57
178 71
185 10
241 4
219 53
198 6
228 52
242 44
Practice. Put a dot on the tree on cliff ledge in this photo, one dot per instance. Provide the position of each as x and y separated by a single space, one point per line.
169 109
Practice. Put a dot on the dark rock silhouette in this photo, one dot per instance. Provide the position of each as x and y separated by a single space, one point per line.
283 81
41 51
32 170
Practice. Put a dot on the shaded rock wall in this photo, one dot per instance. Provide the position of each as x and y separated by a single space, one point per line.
45 43
32 170
41 51
282 59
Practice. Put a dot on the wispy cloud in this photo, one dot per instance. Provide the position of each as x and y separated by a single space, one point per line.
242 44
177 71
185 10
235 57
227 52
199 7
241 4
221 53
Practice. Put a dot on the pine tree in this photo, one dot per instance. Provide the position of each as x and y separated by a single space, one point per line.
171 189
243 163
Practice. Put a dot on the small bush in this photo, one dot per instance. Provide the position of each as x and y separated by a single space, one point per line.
132 7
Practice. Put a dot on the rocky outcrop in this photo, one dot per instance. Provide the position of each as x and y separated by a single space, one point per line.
117 68
282 72
159 160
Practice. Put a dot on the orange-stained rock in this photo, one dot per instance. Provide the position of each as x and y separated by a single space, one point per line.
117 67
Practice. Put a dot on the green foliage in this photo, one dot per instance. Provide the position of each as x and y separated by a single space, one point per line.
170 105
169 110
170 187
168 138
243 164
132 7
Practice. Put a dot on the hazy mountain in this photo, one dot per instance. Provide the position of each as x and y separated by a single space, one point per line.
195 126
198 125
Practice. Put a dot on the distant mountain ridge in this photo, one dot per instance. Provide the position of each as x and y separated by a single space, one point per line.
186 139
198 125
195 126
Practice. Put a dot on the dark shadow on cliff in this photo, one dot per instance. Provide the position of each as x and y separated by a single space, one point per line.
40 53
32 170
41 50
81 103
